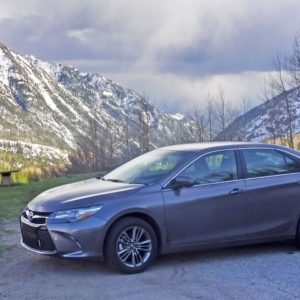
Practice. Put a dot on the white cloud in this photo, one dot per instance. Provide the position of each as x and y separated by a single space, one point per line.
85 36
179 92
173 50
13 8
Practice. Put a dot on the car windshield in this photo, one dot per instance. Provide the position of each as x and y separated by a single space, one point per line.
148 168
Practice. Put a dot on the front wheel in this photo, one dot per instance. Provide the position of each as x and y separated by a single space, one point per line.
131 245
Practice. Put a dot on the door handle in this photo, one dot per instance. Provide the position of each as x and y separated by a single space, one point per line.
236 191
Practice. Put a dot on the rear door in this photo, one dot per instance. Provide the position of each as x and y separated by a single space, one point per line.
273 192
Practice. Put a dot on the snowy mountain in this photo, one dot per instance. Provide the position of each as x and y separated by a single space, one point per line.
51 104
266 121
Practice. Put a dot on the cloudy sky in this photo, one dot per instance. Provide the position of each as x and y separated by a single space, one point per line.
174 51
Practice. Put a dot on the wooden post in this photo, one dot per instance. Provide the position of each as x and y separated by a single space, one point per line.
6 177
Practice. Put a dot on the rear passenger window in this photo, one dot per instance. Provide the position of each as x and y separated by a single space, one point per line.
266 162
292 165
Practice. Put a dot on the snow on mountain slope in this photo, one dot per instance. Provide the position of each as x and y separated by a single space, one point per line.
256 125
30 150
50 104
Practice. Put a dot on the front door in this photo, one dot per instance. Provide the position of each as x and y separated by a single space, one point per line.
213 210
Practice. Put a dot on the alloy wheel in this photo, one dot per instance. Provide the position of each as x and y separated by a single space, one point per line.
134 246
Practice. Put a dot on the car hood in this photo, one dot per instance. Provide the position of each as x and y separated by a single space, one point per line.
80 194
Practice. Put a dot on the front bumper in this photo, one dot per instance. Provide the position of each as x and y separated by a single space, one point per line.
82 239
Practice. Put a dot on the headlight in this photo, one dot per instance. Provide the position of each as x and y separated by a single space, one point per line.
74 215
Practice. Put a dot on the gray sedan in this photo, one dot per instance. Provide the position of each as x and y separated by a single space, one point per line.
175 198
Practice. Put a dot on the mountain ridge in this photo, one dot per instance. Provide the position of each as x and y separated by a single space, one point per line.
266 121
51 104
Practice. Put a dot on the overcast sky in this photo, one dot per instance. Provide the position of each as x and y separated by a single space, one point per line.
174 51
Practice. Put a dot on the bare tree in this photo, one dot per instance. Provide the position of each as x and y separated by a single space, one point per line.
89 145
127 140
210 111
110 144
267 93
93 133
96 146
294 68
198 115
144 119
225 113
294 63
182 134
244 109
280 86
220 112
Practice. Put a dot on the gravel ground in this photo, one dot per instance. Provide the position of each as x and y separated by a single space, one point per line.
270 271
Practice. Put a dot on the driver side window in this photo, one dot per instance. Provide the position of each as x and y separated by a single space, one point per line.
214 167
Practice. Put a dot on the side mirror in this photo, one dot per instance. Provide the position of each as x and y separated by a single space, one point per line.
182 181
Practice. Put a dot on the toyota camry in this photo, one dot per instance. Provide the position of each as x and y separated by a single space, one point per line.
176 198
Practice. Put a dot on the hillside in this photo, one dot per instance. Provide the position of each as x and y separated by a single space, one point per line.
266 120
51 105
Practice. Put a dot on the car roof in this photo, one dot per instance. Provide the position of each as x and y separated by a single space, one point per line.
216 145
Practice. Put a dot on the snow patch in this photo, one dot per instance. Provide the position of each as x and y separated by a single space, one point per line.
31 150
177 116
5 65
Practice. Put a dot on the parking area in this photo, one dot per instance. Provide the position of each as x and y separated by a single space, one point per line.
269 271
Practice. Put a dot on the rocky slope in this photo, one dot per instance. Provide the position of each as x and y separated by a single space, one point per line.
266 120
50 104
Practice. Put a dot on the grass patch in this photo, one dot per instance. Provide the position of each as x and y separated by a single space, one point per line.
14 198
30 169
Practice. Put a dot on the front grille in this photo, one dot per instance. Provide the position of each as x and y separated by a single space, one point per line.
37 238
45 240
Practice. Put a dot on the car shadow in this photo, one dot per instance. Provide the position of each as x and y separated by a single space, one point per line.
63 265
229 253
69 266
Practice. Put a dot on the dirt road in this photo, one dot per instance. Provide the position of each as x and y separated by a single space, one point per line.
269 271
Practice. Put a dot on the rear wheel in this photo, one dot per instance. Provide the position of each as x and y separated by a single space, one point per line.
131 245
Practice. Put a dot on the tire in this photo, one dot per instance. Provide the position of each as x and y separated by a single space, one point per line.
298 236
131 245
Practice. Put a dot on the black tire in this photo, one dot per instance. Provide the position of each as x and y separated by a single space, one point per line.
125 252
298 236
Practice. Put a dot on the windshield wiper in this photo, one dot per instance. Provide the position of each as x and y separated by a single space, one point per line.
114 180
